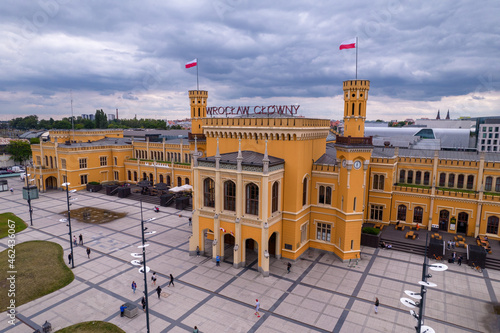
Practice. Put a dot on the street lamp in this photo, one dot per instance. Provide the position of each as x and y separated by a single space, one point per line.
144 269
28 187
69 222
421 296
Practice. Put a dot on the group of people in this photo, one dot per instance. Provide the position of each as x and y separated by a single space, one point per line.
385 245
451 244
454 257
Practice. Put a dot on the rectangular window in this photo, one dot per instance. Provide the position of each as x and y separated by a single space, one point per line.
103 160
65 179
117 175
484 129
303 233
38 160
376 212
323 232
484 135
83 164
63 163
83 179
116 161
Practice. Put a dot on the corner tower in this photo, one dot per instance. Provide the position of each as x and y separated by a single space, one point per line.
198 102
355 97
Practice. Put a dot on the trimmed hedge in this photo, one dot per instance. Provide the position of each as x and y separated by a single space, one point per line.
370 231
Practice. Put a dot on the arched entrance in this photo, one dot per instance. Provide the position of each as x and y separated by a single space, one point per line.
251 251
273 245
228 249
463 220
444 219
51 183
206 244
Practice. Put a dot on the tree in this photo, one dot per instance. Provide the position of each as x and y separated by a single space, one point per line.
19 150
101 120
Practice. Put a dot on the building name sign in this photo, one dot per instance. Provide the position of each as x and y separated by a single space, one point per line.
242 110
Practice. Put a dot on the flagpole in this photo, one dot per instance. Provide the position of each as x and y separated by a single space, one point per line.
197 83
357 46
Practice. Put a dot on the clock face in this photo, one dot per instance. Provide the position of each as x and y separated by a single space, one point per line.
357 164
344 163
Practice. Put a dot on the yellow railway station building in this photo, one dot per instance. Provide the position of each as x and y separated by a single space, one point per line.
274 186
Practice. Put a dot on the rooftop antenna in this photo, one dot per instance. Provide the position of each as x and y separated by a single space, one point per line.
72 119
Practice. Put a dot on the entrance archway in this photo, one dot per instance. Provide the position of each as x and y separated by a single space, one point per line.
228 252
444 219
207 241
463 220
251 251
273 245
51 183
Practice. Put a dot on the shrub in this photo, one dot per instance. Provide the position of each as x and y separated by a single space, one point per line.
94 183
370 230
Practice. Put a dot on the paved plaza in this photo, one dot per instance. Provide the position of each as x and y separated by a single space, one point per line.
321 294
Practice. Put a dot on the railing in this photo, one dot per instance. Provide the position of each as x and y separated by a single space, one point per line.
159 164
272 122
467 195
201 137
349 140
324 168
402 188
491 197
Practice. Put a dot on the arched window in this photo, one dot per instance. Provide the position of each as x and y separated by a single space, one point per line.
470 182
168 180
252 196
442 179
144 176
418 214
460 181
208 192
129 175
354 205
151 177
328 196
427 177
321 194
375 182
229 195
410 177
488 184
304 192
402 213
179 181
186 181
451 180
359 110
135 176
497 185
418 177
275 197
402 176
161 178
492 227
352 112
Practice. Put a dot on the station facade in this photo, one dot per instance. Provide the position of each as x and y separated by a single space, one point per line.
274 186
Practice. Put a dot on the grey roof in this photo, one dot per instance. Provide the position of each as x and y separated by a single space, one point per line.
32 134
249 158
492 121
329 157
144 132
102 142
382 152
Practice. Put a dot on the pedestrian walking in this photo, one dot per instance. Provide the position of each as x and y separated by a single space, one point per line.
171 281
195 330
454 256
449 245
81 239
257 307
190 222
452 244
377 303
460 261
88 252
74 241
134 286
158 291
143 302
288 267
197 251
69 259
217 260
153 278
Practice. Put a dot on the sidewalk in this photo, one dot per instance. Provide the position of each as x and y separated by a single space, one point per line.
321 294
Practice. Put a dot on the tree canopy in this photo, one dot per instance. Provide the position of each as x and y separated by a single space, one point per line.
19 150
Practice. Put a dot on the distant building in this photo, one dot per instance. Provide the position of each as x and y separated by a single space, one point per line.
88 116
446 123
111 117
488 138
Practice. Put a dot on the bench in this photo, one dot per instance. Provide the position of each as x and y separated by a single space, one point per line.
411 234
459 238
379 226
461 244
400 227
437 236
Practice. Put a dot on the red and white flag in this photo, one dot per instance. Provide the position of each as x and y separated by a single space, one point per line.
192 63
222 229
348 44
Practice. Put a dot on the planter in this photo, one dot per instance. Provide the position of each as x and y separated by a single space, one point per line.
370 240
94 188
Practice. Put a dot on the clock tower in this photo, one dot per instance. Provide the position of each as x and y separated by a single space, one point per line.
353 157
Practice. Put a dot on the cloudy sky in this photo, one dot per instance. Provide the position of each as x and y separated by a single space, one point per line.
420 56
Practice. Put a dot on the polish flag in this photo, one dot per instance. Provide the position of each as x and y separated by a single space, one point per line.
192 63
348 44
222 229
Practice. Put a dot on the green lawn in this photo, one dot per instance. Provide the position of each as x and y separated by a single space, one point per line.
40 270
92 327
4 226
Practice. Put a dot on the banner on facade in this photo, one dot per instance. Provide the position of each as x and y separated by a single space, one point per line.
246 110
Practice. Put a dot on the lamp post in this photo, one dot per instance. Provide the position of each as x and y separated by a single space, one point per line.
27 175
69 223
